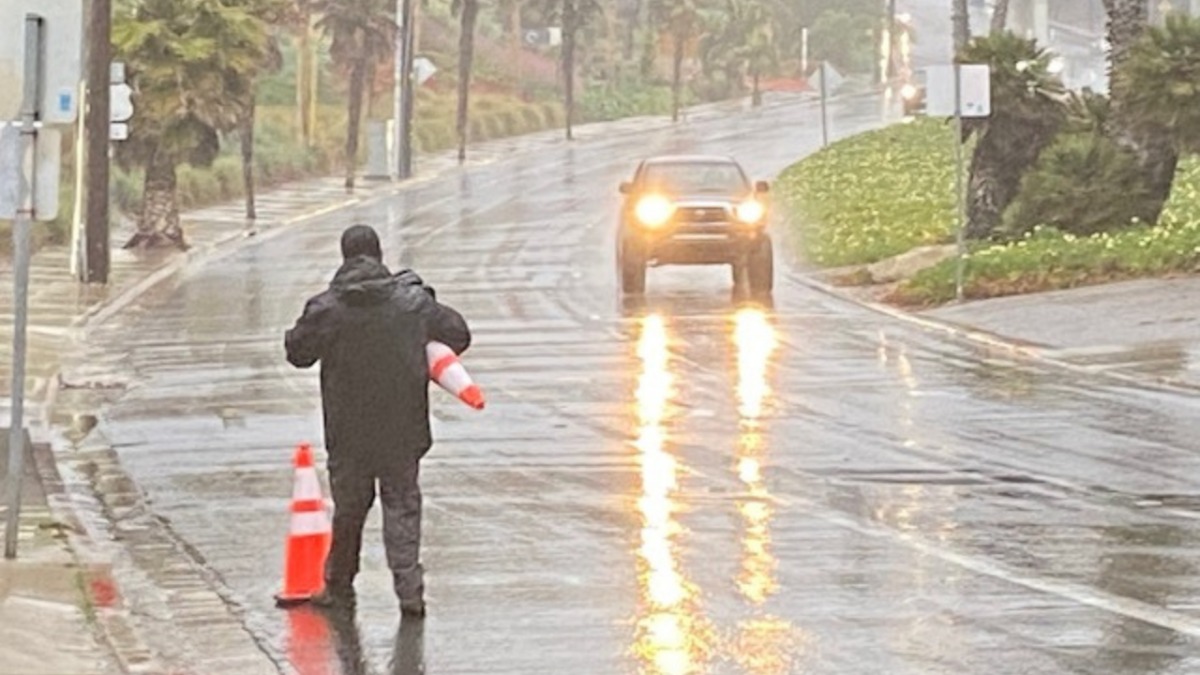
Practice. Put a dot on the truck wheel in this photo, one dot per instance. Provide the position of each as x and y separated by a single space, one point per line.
633 270
761 265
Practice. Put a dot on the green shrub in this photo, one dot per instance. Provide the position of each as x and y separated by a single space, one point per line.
125 189
533 119
228 172
1047 259
1082 184
196 186
494 126
873 195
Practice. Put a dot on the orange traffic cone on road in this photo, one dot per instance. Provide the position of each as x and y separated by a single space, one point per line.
449 373
309 538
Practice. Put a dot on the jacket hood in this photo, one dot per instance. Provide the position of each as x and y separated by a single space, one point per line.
407 277
363 281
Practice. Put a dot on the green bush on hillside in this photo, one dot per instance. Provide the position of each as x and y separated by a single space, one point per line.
874 195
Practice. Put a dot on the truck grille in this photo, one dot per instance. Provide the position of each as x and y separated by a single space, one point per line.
702 214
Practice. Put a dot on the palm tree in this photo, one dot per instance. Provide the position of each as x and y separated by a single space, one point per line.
270 13
682 21
362 33
1028 109
1157 83
961 19
999 17
741 39
192 64
468 13
575 15
1151 143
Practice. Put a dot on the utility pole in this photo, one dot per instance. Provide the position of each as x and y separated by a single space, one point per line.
97 123
403 110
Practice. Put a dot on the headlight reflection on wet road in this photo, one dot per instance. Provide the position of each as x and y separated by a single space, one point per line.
670 637
765 645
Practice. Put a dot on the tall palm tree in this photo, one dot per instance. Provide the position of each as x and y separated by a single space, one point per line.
999 17
741 39
683 23
574 15
1158 81
192 64
468 13
362 33
1152 144
270 13
961 20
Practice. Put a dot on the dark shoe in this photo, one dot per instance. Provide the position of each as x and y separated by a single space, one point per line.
414 609
335 599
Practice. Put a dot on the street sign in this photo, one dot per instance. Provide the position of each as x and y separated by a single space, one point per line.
49 154
118 131
976 90
828 79
62 29
120 98
423 69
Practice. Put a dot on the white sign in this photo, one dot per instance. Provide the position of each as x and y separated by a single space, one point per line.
120 102
118 131
423 69
976 90
829 79
49 156
62 32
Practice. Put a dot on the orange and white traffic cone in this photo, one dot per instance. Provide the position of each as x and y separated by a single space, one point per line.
309 538
449 373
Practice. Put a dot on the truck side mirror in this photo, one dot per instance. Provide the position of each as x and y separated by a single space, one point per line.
762 187
626 187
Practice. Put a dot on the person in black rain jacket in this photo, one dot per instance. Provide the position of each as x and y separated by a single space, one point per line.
368 330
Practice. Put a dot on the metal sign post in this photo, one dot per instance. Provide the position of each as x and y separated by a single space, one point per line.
959 91
959 192
31 97
824 105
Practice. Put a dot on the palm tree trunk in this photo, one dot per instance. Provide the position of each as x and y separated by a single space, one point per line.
358 75
961 25
306 81
630 42
999 17
677 76
246 136
466 58
568 64
1154 149
158 224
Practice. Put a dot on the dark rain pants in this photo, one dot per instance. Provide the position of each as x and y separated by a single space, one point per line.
354 489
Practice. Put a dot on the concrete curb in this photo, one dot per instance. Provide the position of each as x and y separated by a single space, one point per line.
1014 348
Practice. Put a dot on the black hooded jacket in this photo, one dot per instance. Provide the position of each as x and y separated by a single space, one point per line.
369 331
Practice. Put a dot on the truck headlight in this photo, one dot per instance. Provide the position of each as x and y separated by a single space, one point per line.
654 211
750 212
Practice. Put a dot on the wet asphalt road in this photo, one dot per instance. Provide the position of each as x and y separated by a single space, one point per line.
691 486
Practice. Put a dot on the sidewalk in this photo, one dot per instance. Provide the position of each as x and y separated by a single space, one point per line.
41 593
1141 329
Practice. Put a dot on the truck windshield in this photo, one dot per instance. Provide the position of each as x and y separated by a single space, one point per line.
695 178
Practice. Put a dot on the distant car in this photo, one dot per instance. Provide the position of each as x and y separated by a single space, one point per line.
695 210
912 94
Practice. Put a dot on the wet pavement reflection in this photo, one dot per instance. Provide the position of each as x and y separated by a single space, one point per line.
673 637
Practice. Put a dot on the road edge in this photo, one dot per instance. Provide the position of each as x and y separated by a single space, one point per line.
981 338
